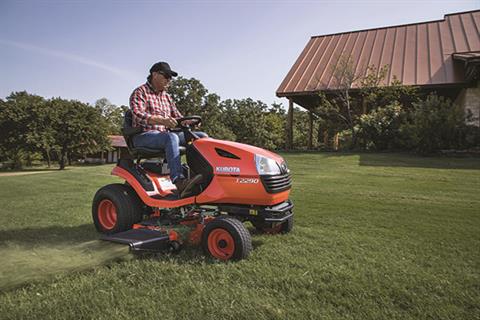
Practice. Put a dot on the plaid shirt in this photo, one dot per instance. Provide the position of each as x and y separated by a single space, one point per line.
145 103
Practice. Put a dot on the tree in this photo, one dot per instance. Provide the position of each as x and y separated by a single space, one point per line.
192 98
381 128
437 124
339 107
377 95
40 130
247 119
79 129
275 123
386 110
113 115
19 140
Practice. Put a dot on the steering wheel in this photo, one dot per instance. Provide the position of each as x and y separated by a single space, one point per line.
193 121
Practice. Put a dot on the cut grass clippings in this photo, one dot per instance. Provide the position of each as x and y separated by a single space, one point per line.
22 265
376 236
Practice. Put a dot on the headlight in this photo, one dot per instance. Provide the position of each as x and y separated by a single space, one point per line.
266 165
284 167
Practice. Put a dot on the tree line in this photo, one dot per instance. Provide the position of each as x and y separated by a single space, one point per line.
367 117
35 129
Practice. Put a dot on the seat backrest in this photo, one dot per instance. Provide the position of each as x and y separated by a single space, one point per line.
128 130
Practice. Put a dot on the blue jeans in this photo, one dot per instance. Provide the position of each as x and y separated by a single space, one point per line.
168 141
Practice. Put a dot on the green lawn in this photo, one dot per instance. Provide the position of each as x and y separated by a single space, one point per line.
376 236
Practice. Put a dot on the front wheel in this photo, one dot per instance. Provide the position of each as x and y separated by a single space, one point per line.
226 239
270 228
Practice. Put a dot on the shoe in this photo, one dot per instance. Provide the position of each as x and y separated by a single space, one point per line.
180 183
184 186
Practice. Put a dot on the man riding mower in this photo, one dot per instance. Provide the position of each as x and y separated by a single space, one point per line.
230 183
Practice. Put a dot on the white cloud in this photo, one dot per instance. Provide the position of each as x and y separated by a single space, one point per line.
68 56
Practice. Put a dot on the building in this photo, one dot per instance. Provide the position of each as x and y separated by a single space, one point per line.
119 148
441 56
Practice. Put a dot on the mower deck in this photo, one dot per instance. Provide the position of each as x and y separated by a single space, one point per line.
141 239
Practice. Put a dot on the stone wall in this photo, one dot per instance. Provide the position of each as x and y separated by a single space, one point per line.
469 99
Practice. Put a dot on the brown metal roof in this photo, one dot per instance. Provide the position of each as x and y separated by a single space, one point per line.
117 141
417 54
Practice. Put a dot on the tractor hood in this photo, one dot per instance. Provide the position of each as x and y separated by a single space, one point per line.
233 158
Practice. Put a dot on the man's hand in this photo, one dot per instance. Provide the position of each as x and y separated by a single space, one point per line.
168 122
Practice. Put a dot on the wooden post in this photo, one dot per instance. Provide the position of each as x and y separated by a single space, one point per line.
310 130
289 144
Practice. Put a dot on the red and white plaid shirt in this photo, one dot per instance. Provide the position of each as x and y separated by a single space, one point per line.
145 103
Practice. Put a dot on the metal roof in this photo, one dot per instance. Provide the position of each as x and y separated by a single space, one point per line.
117 141
417 54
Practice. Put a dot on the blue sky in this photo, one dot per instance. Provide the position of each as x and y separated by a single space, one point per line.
87 50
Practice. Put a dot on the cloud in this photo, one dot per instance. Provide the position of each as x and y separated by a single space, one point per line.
69 57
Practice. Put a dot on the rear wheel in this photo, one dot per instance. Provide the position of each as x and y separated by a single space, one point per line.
115 208
226 239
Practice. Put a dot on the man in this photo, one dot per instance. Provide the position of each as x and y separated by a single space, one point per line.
154 110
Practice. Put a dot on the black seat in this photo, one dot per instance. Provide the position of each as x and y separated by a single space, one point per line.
140 152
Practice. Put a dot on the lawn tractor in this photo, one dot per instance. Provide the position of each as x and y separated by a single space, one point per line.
230 183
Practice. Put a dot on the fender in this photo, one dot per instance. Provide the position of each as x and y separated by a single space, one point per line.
149 201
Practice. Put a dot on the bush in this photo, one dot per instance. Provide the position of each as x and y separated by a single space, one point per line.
436 124
345 139
381 128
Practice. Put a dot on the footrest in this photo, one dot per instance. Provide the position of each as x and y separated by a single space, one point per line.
140 239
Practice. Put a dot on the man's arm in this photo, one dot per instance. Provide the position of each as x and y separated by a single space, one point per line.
174 113
139 108
143 118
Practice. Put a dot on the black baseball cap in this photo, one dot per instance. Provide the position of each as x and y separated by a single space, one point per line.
163 67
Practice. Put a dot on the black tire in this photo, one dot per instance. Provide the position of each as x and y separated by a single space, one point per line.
122 201
145 210
287 226
226 238
265 227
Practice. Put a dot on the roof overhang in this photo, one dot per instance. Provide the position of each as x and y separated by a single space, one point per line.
310 99
471 62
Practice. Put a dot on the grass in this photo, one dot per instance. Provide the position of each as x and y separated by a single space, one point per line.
376 236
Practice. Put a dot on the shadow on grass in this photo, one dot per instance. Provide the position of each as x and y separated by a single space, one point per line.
415 161
49 235
406 160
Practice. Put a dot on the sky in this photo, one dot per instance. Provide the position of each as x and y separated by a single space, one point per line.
90 49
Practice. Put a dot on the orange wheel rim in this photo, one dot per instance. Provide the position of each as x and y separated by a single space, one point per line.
107 214
221 244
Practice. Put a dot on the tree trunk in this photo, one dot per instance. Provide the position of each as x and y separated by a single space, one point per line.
63 156
17 160
47 155
350 120
335 142
49 160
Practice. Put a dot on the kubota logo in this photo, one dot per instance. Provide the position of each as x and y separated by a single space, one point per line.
227 169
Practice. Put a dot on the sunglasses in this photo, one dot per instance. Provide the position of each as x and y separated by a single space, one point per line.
166 76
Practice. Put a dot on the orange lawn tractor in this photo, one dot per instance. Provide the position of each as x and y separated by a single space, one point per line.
230 183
